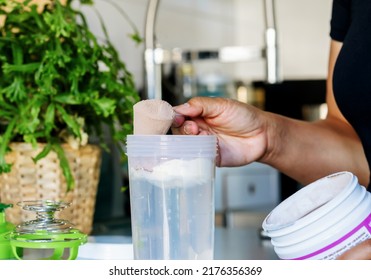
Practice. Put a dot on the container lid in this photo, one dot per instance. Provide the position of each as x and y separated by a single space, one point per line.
309 203
46 232
177 146
45 221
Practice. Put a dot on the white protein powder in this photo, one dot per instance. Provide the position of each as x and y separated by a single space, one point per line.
307 200
177 173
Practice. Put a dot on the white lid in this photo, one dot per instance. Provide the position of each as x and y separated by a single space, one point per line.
309 203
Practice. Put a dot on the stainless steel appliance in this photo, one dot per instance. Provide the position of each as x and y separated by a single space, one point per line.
155 57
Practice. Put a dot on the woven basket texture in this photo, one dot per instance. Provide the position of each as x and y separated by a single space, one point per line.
44 180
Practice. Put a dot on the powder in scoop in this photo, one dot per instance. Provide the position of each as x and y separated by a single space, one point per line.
152 116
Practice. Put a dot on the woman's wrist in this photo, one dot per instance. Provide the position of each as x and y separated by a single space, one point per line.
275 134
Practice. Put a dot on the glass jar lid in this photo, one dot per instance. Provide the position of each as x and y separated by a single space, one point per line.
45 221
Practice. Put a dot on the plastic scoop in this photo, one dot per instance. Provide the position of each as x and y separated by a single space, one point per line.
152 117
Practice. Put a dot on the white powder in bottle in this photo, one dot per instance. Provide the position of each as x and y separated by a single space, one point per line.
308 200
177 173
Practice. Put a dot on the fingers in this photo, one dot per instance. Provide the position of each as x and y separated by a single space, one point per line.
188 128
195 108
178 120
360 252
181 123
184 127
201 106
191 108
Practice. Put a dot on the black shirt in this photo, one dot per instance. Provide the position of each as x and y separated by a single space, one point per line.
351 24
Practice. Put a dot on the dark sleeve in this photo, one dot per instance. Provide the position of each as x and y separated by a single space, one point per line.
340 19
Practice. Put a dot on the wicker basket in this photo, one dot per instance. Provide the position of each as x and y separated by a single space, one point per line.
45 180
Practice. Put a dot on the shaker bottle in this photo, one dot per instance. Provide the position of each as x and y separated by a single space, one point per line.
171 182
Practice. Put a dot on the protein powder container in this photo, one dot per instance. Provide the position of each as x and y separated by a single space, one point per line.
321 220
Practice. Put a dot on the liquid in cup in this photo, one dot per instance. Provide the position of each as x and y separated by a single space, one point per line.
172 196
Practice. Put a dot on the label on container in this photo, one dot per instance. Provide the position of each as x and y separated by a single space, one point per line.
357 235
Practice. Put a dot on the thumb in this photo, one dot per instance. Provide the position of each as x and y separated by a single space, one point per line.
187 109
199 107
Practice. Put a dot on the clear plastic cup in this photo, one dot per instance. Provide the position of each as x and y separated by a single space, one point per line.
171 182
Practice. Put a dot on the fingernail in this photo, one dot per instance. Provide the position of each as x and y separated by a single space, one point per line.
178 119
203 132
177 115
185 105
187 129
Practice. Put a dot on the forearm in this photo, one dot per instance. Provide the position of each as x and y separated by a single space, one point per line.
309 151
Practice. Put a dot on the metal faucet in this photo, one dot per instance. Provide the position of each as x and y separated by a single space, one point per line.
271 50
154 56
152 69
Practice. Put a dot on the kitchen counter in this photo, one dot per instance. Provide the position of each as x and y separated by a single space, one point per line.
242 244
230 243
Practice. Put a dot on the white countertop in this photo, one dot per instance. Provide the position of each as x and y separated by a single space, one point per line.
230 243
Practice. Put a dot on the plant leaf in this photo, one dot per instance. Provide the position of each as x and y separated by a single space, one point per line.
45 151
70 121
23 68
5 140
68 98
63 163
49 118
104 106
16 91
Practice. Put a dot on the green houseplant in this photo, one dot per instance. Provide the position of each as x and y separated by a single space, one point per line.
57 80
59 87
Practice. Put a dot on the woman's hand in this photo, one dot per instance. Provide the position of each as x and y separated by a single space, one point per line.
241 129
360 252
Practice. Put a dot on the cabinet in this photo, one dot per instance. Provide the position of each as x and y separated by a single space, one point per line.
251 191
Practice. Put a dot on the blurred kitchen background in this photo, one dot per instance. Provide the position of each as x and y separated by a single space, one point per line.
194 37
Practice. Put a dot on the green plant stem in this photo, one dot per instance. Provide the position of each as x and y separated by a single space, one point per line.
5 140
